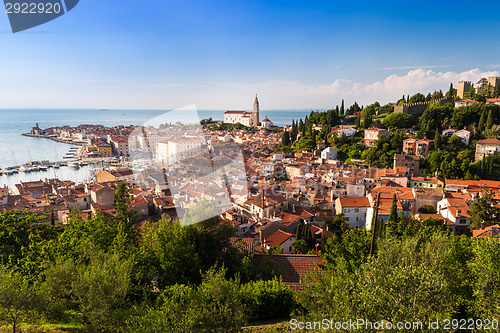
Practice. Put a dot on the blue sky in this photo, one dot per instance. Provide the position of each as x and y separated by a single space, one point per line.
165 54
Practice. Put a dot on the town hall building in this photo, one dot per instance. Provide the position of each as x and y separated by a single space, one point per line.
244 117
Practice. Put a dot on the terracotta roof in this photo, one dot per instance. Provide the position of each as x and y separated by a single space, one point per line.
493 230
277 238
489 141
246 243
235 112
293 266
354 202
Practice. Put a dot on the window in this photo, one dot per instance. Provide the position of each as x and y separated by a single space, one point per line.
346 210
356 210
357 219
346 219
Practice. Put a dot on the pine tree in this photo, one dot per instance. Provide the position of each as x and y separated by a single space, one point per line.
482 122
301 126
489 122
342 108
337 111
437 139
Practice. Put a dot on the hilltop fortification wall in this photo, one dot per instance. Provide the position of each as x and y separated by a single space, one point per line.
417 109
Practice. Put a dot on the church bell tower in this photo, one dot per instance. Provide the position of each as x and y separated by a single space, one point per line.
256 109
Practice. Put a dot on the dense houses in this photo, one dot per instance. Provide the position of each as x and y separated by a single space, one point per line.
272 199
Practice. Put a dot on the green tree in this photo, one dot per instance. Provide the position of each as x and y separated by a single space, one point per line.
285 140
392 223
451 91
399 120
217 305
101 289
437 139
19 300
342 109
482 122
485 209
427 209
294 132
489 121
486 277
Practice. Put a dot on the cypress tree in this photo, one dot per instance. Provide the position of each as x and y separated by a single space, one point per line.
393 216
482 122
293 132
297 232
285 141
451 91
342 108
489 122
337 110
437 139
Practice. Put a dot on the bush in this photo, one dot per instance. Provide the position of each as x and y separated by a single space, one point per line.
214 306
268 299
399 120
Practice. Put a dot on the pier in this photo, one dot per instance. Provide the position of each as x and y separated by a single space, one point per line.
55 138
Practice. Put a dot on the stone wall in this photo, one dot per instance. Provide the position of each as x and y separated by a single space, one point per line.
417 109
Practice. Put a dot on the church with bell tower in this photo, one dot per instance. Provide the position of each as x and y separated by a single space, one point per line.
244 117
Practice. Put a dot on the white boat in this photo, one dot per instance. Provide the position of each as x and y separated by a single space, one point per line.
24 168
73 165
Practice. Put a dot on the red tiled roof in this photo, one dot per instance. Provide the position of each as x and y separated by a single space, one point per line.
354 202
490 141
293 266
277 238
493 230
245 243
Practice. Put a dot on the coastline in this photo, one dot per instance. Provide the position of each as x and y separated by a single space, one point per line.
56 139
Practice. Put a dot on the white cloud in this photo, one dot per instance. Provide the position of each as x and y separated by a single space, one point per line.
415 67
120 93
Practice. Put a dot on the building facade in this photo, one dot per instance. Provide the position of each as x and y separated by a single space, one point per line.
486 147
244 117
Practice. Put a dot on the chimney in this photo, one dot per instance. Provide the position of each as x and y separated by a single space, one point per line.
482 225
293 208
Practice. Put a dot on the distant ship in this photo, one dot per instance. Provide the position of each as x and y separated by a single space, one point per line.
104 109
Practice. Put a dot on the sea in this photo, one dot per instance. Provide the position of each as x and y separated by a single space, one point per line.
16 149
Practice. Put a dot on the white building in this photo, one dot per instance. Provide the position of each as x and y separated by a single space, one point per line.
329 153
457 211
280 238
464 136
348 131
354 210
266 123
244 117
177 149
464 102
